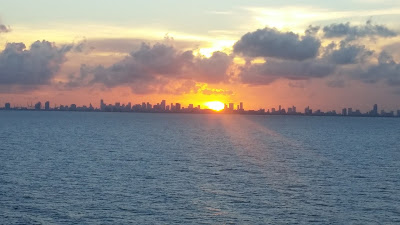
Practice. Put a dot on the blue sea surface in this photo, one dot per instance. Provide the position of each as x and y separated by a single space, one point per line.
133 168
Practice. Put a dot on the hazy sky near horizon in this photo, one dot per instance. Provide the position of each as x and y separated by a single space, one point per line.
326 54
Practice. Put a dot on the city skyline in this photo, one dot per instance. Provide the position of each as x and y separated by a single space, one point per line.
228 108
264 53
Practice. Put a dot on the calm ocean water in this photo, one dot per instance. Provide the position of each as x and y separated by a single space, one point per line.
120 168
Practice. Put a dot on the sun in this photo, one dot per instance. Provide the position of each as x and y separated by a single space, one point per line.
215 105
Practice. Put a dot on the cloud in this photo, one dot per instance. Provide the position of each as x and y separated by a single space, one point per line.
290 56
350 32
312 30
297 84
216 92
386 69
152 68
269 42
210 70
346 53
34 66
273 69
4 28
336 83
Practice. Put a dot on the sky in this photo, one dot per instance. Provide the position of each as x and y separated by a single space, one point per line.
325 54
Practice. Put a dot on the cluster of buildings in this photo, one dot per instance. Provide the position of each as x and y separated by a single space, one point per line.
345 112
148 107
230 108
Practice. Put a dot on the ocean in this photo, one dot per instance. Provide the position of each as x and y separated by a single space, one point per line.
134 168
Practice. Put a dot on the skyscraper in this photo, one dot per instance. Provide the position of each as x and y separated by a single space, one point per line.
375 110
344 112
231 106
102 105
72 107
178 106
47 105
241 106
162 105
38 106
350 111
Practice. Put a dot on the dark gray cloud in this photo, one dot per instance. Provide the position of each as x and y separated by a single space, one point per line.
272 69
126 45
152 67
4 28
34 66
312 30
350 32
210 70
269 42
346 53
386 70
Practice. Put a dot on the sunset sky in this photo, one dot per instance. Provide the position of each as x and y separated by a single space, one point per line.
326 54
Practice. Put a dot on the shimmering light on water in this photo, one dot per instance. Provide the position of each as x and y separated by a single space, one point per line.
117 168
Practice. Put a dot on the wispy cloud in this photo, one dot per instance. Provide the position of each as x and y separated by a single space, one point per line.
220 12
297 17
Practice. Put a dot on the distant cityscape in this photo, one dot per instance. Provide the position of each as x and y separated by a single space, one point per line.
163 107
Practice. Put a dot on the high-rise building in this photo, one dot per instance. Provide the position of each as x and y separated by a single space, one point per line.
308 111
38 106
350 111
375 110
280 108
344 112
102 105
7 106
177 106
47 105
231 106
148 106
72 107
162 105
190 106
241 106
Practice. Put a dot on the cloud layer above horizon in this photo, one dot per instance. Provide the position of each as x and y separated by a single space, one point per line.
337 52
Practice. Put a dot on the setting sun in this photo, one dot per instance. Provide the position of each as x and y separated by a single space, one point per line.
215 105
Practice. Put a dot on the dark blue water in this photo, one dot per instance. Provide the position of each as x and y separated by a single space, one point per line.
120 168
